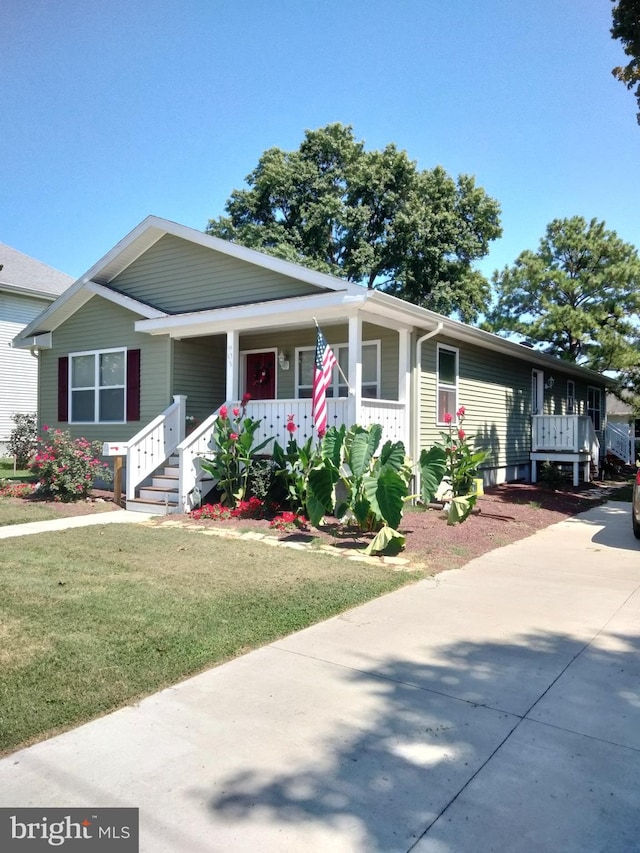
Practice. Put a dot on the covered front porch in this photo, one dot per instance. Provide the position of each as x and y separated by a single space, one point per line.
269 355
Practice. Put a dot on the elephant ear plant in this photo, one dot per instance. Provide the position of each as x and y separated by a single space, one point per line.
373 488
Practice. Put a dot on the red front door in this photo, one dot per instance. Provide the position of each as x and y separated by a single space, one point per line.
260 377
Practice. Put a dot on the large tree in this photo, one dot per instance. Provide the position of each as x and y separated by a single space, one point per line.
626 27
576 297
369 216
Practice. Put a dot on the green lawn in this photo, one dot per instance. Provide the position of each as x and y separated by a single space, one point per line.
93 618
11 513
7 472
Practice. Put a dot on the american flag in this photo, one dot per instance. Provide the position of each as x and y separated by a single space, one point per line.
325 362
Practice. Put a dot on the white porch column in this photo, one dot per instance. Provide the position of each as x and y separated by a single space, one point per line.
233 365
404 383
355 368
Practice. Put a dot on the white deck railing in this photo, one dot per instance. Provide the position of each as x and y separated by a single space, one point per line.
155 442
562 433
619 441
191 450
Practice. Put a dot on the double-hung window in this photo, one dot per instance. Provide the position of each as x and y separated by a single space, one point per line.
305 357
97 386
571 397
447 382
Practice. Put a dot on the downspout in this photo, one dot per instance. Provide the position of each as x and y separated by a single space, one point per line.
418 401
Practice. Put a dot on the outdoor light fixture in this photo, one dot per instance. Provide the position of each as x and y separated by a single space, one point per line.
283 360
549 383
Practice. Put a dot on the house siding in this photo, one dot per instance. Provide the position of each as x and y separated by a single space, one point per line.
100 324
495 391
496 394
18 368
288 340
199 372
177 276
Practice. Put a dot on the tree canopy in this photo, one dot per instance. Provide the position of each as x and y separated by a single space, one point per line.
368 216
577 297
626 27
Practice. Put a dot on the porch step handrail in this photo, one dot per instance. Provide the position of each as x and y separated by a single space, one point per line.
618 441
155 442
190 450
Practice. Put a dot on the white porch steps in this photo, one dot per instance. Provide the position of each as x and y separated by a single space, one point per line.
161 496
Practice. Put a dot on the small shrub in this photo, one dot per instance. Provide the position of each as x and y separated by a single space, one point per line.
66 467
24 438
551 475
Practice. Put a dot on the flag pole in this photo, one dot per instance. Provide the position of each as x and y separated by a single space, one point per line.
341 371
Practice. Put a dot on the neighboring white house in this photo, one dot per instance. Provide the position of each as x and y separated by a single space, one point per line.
27 286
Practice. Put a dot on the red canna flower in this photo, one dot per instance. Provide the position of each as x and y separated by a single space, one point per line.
224 412
461 434
448 417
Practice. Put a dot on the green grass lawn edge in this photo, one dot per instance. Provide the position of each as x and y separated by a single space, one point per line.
93 619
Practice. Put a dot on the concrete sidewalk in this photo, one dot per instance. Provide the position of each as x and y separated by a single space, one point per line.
117 516
492 708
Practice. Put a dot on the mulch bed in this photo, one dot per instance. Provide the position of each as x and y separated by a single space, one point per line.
506 513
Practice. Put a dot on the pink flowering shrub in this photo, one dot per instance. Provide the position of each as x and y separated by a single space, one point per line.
66 467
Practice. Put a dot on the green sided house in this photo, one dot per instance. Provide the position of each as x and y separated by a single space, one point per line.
145 347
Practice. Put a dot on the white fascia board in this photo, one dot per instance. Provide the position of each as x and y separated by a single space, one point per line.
280 313
423 318
25 291
43 341
124 301
151 229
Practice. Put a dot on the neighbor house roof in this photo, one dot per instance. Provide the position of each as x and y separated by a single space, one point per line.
336 298
22 274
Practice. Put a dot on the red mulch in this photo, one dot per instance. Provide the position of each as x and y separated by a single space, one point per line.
506 513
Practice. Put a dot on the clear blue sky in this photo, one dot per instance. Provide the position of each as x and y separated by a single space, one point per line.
116 109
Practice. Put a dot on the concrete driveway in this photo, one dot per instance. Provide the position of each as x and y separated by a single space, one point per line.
494 708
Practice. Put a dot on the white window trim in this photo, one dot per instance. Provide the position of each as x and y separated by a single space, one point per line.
537 375
96 386
571 397
446 386
336 383
588 409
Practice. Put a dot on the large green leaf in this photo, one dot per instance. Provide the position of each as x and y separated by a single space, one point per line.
362 450
386 541
319 494
386 493
460 509
392 455
432 467
332 444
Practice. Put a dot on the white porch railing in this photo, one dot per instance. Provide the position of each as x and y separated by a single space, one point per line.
619 441
190 451
274 416
154 443
563 434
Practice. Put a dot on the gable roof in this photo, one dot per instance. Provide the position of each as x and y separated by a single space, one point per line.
25 275
336 298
